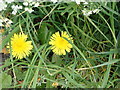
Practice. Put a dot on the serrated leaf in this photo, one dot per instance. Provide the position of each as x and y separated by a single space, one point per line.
5 80
19 74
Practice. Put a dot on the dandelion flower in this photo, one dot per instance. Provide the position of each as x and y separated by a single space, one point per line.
59 44
20 47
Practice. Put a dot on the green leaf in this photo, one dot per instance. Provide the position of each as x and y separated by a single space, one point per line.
19 74
43 33
5 80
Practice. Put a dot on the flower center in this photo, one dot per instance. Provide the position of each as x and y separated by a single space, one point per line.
61 43
19 46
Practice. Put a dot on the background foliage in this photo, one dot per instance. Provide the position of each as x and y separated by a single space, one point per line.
94 61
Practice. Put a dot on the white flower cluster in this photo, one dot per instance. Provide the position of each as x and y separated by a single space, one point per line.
54 1
86 11
3 4
89 12
29 5
9 1
90 8
77 1
15 9
5 22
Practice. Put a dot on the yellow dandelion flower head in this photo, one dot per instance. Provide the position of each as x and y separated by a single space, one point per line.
20 47
59 44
